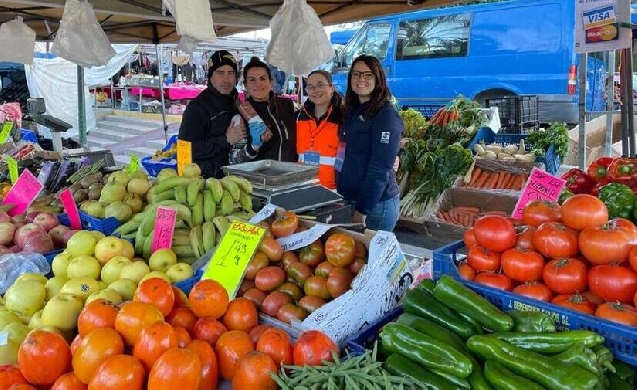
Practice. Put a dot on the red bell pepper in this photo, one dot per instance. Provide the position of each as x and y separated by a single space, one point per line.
578 182
600 184
598 168
623 170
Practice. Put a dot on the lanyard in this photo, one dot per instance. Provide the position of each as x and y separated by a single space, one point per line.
319 127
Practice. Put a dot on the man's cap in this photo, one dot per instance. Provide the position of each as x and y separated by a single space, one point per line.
219 59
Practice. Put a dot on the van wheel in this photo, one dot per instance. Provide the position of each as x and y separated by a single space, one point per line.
492 94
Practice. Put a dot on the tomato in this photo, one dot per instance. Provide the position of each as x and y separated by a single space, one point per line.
466 271
582 210
312 254
241 315
272 249
209 376
534 290
153 342
176 368
258 262
255 371
539 211
292 289
230 348
575 302
613 282
121 372
313 348
632 258
361 250
256 296
208 298
310 303
565 276
605 244
273 302
99 313
592 298
245 286
95 348
286 225
617 312
521 265
339 281
499 281
43 357
317 286
182 317
340 249
525 238
483 260
183 337
269 278
357 266
298 272
276 343
554 240
68 381
290 312
10 375
258 330
631 229
495 233
208 329
468 238
323 269
288 258
158 292
134 316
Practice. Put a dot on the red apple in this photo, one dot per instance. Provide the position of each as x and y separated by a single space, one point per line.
18 218
30 216
7 230
15 249
47 220
22 233
57 234
38 242
4 250
4 217
67 236
18 224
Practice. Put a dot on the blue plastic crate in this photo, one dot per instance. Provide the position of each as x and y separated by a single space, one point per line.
49 258
427 110
154 167
104 225
188 284
620 339
359 342
64 220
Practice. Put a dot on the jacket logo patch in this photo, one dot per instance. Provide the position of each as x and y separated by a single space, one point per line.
384 137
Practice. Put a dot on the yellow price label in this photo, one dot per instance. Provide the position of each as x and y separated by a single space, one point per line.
13 169
134 164
184 155
6 130
233 254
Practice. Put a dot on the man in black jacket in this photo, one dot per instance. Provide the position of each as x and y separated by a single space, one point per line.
207 121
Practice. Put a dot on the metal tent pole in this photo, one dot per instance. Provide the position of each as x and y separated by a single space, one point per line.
610 104
626 80
582 111
161 81
81 106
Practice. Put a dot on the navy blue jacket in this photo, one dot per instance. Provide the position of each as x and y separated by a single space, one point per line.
371 147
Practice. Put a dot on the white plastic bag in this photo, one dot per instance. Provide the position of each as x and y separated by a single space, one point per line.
299 42
80 38
194 22
17 41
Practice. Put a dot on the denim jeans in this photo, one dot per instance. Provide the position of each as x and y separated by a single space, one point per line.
384 215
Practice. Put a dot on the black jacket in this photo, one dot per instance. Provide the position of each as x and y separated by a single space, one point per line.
204 124
282 145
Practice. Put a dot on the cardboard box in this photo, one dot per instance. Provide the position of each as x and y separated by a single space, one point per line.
595 140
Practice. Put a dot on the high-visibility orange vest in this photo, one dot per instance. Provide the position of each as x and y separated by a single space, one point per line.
321 138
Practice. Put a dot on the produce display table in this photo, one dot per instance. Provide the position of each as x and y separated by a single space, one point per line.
183 91
146 91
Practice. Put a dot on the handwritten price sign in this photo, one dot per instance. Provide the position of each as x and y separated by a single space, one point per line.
233 254
541 186
184 155
71 209
23 193
164 228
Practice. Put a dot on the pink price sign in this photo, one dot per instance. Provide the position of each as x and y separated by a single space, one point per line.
23 193
164 227
71 209
540 185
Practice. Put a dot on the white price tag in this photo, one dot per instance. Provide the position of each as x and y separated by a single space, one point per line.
4 338
304 238
263 214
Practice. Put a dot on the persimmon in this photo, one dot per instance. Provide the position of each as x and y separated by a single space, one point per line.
232 346
10 375
158 292
183 337
208 298
99 313
181 299
253 372
182 317
312 348
275 343
208 329
121 372
94 349
22 386
133 316
241 315
154 340
177 368
209 367
257 331
43 357
69 381
75 343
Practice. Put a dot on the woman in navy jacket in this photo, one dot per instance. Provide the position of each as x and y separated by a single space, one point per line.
370 141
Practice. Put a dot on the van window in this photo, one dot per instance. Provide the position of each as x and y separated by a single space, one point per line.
443 36
372 40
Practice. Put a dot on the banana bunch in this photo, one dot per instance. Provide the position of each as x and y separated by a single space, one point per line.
171 153
205 209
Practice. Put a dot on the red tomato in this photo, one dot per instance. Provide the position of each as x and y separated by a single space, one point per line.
495 233
499 281
565 276
592 298
554 240
605 244
534 290
617 312
525 238
521 265
482 260
340 250
468 238
312 348
286 225
575 302
582 210
625 224
613 282
466 272
632 258
539 211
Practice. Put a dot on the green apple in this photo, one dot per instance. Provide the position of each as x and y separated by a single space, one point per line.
6 318
32 276
135 271
17 331
180 272
82 243
162 260
125 287
54 285
129 249
101 285
25 297
108 294
113 268
156 274
36 320
8 350
60 264
109 247
84 266
80 287
97 234
62 311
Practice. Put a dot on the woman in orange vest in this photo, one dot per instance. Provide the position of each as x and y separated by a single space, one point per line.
317 126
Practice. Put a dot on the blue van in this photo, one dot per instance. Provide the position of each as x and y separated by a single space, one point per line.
482 51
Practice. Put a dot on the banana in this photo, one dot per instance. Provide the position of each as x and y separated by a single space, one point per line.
194 188
222 224
231 187
180 240
187 259
139 241
180 224
245 201
183 250
197 210
209 233
215 187
183 213
148 224
181 233
209 205
128 227
166 195
194 240
171 183
226 203
243 183
148 246
181 194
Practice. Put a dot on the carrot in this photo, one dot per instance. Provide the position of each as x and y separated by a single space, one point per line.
509 184
501 177
474 176
482 179
440 215
491 182
444 118
494 212
454 216
523 181
467 220
505 179
520 183
468 209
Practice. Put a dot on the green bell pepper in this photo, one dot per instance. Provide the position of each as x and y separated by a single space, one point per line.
532 321
581 356
619 199
502 378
